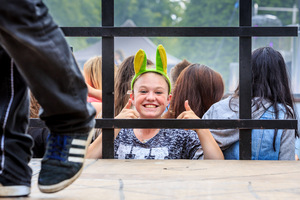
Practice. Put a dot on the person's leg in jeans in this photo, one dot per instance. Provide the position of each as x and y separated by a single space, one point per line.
44 59
15 144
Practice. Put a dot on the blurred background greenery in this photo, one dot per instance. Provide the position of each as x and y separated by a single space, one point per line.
220 53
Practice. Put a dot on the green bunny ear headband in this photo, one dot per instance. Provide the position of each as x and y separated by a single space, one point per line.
140 64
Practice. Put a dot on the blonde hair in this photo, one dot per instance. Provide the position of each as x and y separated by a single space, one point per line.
93 72
34 107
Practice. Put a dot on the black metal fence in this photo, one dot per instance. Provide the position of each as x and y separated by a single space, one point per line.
245 32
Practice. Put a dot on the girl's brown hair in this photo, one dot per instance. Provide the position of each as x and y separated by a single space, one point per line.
34 107
198 84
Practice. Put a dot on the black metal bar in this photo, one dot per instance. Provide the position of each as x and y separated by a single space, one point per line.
108 78
245 15
191 123
299 13
107 12
245 78
245 90
245 31
297 97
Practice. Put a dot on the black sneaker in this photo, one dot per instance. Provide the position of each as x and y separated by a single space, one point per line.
9 189
63 161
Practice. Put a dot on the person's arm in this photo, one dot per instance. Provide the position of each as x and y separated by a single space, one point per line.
95 149
221 110
126 113
95 93
287 145
98 107
211 149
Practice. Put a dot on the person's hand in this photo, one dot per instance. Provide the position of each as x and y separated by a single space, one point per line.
188 113
127 112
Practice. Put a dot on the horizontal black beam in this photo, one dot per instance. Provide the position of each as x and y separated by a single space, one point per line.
179 31
190 123
296 96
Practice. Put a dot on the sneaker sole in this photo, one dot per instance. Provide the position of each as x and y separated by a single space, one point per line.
14 191
66 183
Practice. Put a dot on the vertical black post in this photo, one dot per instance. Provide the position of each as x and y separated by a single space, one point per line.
245 78
298 13
108 78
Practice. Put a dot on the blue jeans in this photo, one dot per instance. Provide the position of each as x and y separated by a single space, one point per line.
43 61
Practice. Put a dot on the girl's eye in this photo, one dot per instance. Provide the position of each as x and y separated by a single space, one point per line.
158 92
143 91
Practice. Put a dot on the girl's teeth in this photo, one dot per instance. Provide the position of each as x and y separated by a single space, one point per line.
150 106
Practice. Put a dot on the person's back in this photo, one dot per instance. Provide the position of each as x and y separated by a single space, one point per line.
271 99
265 144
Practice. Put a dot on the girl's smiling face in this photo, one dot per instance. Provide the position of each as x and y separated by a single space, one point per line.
150 95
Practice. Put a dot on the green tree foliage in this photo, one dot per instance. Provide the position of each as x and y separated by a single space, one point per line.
285 17
76 13
217 53
209 13
148 13
155 13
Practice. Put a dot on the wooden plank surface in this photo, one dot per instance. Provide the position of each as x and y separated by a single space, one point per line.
180 179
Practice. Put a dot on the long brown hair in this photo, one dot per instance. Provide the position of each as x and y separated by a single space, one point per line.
198 84
123 79
270 81
34 107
